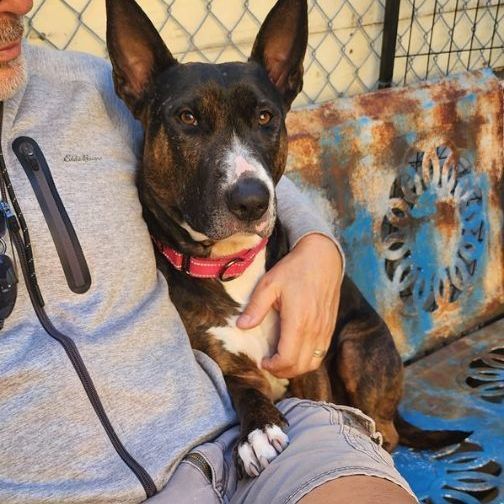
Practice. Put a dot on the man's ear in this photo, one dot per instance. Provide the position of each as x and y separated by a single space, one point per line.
136 50
280 46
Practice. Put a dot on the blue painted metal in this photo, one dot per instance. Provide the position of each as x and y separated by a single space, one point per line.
487 375
412 179
441 202
460 386
413 182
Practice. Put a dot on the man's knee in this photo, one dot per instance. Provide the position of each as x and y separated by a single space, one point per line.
358 490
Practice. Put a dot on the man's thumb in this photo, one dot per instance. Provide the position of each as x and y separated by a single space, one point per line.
259 305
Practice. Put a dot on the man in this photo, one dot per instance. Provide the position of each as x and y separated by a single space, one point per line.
101 397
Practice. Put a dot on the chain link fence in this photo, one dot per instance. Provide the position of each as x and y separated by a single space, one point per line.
437 37
343 58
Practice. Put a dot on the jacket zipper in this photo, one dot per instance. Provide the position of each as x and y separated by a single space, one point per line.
67 343
62 231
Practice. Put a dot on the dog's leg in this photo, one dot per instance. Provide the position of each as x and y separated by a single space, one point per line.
366 372
364 365
314 386
262 437
261 423
372 375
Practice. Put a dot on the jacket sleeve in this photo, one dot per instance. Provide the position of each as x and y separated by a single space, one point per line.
300 217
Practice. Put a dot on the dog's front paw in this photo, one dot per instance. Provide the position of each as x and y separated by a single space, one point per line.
259 448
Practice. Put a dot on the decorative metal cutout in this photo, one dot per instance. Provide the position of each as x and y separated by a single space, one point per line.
434 231
487 375
459 474
469 476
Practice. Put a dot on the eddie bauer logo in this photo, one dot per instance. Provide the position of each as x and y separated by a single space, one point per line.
80 158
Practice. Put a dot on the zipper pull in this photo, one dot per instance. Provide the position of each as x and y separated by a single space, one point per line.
28 152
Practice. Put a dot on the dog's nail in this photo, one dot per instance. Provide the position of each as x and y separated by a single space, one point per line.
264 462
254 470
277 445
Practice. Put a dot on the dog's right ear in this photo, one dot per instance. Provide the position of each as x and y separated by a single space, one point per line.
136 50
281 44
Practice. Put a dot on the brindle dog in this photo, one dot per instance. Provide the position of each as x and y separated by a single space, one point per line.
215 147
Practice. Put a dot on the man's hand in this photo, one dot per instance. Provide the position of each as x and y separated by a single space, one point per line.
305 288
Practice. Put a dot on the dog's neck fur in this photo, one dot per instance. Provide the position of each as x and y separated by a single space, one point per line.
166 230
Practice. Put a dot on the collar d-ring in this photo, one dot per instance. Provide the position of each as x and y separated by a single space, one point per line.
226 267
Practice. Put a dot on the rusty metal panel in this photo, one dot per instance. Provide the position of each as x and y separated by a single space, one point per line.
412 179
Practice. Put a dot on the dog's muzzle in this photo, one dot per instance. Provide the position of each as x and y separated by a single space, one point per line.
248 199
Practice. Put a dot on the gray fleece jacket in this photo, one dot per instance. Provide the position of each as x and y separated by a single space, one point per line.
160 397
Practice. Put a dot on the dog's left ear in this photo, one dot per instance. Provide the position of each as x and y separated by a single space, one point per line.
280 46
136 50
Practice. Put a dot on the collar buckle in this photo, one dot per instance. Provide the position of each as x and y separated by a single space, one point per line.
227 266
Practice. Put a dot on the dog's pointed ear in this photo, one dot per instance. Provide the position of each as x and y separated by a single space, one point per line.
136 50
280 46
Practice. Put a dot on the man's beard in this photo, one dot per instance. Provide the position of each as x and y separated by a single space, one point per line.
12 73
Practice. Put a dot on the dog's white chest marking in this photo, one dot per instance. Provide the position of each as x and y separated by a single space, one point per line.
261 341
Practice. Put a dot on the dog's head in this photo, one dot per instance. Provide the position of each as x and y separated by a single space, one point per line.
215 137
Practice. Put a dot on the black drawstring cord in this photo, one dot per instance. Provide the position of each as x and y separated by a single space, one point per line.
5 183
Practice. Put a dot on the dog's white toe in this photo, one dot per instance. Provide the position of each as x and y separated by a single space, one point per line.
277 438
261 447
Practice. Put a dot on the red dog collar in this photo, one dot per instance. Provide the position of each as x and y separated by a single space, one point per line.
223 268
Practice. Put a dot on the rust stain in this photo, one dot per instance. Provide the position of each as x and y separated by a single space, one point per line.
313 121
334 113
448 327
306 151
489 154
394 324
389 102
304 122
447 220
388 147
447 90
445 113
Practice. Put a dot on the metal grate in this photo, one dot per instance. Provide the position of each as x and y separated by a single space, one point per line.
439 37
435 37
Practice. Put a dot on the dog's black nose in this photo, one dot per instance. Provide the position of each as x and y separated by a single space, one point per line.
248 199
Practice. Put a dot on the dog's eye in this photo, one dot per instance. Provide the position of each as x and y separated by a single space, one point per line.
187 117
265 117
